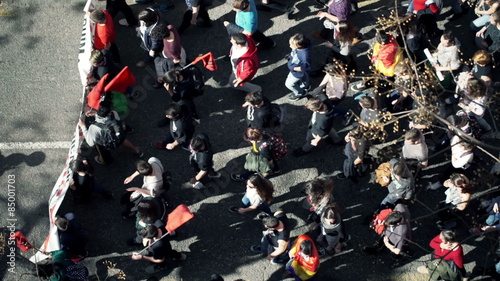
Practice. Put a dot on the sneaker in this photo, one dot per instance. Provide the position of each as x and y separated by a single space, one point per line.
279 260
154 269
294 97
214 175
341 176
158 145
140 64
263 215
233 209
140 153
290 12
347 119
123 22
256 249
236 177
358 87
198 185
275 172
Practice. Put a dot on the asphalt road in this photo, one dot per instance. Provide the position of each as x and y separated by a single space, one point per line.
41 92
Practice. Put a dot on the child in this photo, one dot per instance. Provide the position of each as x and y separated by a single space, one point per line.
299 64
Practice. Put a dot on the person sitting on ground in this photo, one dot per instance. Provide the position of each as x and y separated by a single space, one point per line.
201 160
493 220
258 195
482 66
320 125
488 38
158 252
332 231
483 10
259 110
181 128
304 259
415 148
276 237
299 64
446 248
260 159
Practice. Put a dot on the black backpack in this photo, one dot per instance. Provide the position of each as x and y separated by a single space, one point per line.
112 134
198 79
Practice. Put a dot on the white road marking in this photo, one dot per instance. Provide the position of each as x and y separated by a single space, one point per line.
35 145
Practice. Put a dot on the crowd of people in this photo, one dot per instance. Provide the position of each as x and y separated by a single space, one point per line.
459 95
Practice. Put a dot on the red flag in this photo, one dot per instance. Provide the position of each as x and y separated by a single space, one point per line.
208 61
22 242
178 217
94 97
121 82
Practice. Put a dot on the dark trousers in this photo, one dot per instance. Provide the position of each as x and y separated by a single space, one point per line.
104 154
115 53
115 6
188 15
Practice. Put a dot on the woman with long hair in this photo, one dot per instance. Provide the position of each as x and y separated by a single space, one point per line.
319 195
458 193
258 195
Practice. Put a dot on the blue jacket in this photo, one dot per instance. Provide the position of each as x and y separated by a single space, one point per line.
300 58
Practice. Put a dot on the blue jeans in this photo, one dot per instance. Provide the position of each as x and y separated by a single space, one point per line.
492 219
245 203
298 86
478 23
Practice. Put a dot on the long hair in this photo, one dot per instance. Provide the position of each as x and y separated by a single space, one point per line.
318 189
264 187
460 180
346 32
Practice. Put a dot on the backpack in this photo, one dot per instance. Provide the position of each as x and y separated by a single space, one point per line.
278 146
77 272
277 115
112 134
378 221
198 79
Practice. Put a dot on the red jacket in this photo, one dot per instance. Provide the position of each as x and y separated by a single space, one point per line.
456 255
248 63
104 33
420 5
